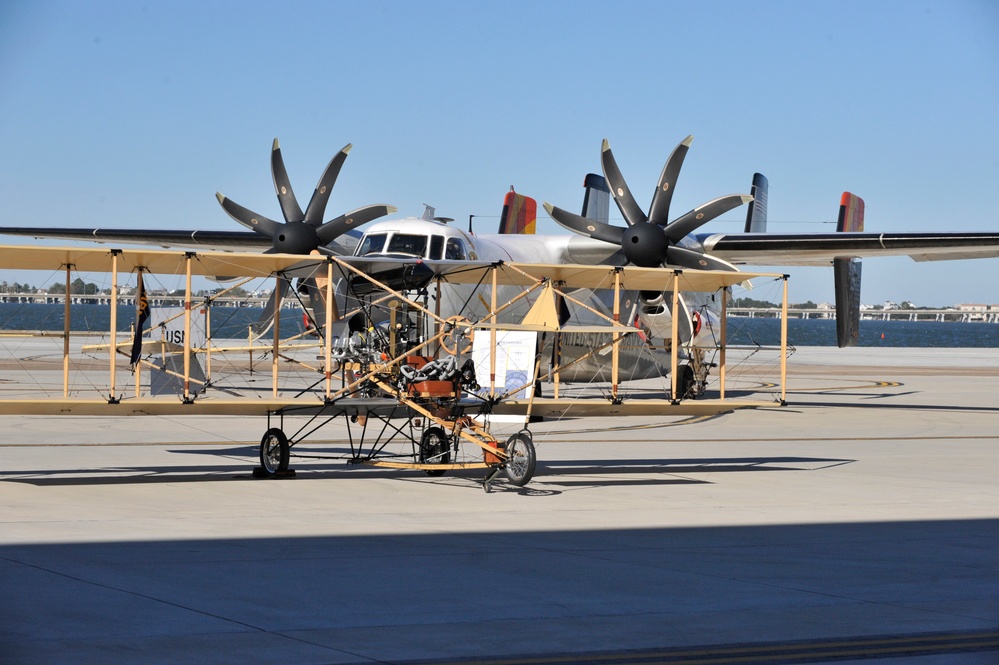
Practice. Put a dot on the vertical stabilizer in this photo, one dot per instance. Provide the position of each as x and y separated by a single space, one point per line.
596 201
520 214
846 271
756 216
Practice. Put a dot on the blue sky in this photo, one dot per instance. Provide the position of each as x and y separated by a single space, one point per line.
129 114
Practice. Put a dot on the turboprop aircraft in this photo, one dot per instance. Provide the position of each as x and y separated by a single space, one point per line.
650 239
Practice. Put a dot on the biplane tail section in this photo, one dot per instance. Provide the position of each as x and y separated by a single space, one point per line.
846 270
520 214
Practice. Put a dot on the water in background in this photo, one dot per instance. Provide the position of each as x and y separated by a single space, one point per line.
233 322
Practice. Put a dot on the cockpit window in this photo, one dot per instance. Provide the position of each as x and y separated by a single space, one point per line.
404 243
436 248
455 250
372 244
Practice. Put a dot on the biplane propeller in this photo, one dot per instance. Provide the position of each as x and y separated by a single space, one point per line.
301 232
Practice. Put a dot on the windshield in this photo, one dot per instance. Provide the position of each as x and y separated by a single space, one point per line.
404 243
372 244
399 243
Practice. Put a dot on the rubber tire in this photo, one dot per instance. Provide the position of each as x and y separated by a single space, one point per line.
521 459
435 448
274 452
685 382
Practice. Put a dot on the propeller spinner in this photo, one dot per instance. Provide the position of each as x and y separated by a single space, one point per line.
652 240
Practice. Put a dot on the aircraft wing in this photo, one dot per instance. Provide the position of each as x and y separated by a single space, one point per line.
814 249
225 241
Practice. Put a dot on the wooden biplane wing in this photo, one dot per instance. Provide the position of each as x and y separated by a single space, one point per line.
358 367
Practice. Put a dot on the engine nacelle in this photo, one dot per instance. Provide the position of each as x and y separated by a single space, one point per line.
702 327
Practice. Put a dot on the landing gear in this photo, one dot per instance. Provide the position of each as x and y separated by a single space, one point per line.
520 462
520 458
274 453
685 382
435 448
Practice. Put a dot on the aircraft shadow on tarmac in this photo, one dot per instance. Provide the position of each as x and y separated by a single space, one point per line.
347 597
559 473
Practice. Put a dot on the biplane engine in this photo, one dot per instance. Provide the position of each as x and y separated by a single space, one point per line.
349 343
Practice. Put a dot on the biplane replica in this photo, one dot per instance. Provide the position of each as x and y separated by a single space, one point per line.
417 387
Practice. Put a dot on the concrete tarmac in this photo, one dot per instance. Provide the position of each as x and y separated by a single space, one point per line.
859 521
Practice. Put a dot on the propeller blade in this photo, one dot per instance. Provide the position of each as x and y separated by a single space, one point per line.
689 258
584 226
688 223
317 298
282 185
659 211
266 320
334 228
317 204
618 258
619 188
248 218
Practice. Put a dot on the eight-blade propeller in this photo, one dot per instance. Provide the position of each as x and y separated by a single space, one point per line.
651 240
301 232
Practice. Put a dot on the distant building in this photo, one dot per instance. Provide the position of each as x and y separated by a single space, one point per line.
973 311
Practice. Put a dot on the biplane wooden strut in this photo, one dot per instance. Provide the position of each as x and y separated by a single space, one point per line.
444 413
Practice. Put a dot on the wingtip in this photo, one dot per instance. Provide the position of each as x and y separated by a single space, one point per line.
606 146
220 197
548 206
346 148
687 141
391 210
275 145
746 198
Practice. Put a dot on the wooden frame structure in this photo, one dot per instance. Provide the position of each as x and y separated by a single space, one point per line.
537 282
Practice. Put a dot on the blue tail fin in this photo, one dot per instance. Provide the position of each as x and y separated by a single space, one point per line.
756 216
596 201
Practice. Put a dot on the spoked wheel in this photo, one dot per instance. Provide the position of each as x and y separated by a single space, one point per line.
520 458
274 452
435 449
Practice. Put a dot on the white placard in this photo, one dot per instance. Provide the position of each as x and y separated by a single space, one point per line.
515 358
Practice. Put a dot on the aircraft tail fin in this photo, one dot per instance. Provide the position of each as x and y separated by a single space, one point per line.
596 201
520 214
756 216
846 271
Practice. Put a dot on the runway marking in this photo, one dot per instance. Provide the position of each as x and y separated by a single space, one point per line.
781 652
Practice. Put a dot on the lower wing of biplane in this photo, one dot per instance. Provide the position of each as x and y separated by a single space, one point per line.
423 386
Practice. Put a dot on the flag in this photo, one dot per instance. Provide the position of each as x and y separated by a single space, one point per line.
141 316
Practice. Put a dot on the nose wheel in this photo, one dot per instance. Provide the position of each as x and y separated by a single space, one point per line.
520 461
